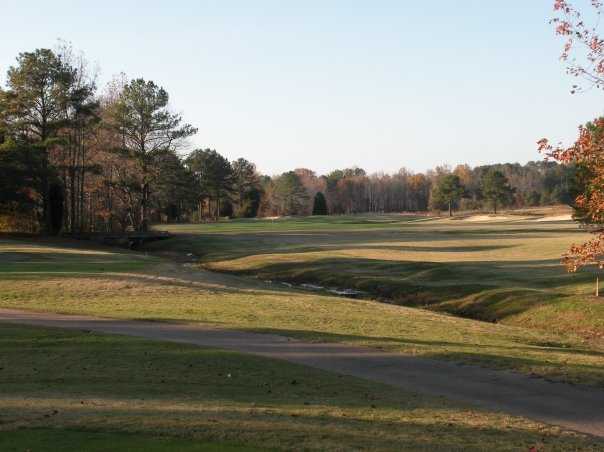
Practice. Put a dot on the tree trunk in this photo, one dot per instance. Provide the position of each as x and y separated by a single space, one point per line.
82 203
450 209
72 199
143 227
47 220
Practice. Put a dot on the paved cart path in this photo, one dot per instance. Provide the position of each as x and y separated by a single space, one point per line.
573 407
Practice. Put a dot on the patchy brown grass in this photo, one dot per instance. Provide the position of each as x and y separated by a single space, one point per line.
77 382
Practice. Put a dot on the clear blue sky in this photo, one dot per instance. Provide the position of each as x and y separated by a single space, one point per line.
329 84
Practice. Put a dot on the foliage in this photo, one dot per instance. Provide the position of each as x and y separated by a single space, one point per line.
214 177
251 203
32 113
319 205
289 195
149 131
81 117
588 154
173 188
21 169
496 189
245 185
111 161
581 40
448 191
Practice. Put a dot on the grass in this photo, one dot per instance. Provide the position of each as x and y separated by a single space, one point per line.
156 289
53 439
63 390
67 258
503 271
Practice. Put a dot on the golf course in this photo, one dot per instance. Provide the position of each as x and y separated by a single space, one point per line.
480 291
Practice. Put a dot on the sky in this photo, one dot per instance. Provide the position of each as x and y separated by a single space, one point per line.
331 84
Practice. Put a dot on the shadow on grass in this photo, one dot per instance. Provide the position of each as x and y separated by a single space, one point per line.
274 428
244 242
67 380
486 290
53 439
395 343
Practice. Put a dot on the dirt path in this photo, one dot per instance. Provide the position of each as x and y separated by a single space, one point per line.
572 407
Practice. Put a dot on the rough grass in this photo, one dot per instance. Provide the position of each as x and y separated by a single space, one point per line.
86 391
64 439
498 271
168 291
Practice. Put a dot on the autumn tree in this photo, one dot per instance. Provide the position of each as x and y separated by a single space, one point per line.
81 114
588 154
496 189
149 130
448 191
583 49
419 189
584 52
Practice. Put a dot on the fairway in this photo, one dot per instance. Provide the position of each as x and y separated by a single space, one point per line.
499 270
65 257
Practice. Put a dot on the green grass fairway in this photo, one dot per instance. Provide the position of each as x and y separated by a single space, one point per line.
26 259
499 271
149 288
82 391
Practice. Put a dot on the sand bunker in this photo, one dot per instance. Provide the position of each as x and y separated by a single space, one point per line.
493 218
565 217
489 218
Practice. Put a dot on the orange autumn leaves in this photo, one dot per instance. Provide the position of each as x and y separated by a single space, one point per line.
582 39
584 43
588 154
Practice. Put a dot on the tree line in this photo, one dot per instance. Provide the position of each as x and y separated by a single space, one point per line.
487 187
75 159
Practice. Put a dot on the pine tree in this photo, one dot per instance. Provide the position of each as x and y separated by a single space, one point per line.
319 205
149 130
448 191
495 188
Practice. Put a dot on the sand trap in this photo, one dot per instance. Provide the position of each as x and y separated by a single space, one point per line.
565 217
489 218
492 218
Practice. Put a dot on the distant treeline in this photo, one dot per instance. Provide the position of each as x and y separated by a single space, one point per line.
484 187
75 159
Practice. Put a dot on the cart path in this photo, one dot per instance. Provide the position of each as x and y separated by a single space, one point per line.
569 406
